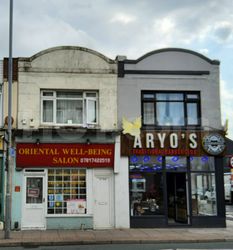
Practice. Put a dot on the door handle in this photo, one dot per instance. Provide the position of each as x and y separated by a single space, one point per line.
43 200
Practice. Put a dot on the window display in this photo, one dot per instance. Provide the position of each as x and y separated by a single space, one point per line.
146 186
204 163
66 191
203 194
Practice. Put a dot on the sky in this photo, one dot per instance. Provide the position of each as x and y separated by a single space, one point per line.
126 27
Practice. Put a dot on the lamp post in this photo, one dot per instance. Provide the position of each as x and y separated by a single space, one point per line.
9 130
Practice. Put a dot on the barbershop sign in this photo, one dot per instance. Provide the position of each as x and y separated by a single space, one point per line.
64 155
164 143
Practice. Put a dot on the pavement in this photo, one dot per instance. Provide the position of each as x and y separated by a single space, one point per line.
117 236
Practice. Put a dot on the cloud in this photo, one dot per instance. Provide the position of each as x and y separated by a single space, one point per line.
123 18
204 51
45 32
227 105
165 25
223 31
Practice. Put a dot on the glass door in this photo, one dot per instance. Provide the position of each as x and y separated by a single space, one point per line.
33 213
177 187
177 198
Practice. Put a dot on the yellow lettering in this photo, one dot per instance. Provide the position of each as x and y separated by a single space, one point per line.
65 160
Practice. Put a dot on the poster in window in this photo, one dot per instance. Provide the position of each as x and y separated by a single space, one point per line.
51 197
51 204
76 206
33 192
59 197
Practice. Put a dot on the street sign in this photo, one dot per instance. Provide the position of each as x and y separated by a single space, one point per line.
231 162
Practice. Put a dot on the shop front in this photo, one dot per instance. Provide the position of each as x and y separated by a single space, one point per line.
64 185
175 178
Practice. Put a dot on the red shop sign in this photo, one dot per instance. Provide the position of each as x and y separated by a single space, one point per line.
64 155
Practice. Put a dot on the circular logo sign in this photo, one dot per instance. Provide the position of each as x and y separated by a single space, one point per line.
213 144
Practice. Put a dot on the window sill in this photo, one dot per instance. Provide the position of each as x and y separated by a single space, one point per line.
68 215
57 126
170 127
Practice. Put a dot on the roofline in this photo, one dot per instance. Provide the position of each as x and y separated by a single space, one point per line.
213 62
46 51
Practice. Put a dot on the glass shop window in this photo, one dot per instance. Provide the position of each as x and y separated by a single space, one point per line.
176 163
66 191
204 163
146 186
203 194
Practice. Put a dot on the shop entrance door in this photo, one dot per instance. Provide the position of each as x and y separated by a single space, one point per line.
177 198
33 210
103 199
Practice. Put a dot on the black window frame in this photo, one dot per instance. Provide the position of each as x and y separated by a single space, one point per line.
185 101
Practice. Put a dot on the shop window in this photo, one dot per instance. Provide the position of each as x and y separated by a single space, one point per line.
176 163
69 107
204 163
170 108
146 186
66 191
203 186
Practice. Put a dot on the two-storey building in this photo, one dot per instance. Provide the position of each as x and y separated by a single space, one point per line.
65 140
172 142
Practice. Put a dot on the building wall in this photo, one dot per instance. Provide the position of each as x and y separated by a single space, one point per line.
171 70
17 198
121 188
67 68
168 60
14 98
14 102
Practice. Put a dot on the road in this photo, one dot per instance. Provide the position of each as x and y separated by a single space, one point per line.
167 246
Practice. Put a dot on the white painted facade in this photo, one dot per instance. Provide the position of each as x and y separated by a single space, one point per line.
69 68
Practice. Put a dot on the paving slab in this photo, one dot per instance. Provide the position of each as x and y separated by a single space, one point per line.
118 236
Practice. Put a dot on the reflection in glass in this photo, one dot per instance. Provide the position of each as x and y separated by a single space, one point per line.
47 111
203 194
146 185
66 186
192 114
176 163
69 111
204 163
146 194
170 113
169 97
148 113
34 193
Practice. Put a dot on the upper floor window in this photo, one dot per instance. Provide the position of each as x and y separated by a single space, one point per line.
171 108
69 107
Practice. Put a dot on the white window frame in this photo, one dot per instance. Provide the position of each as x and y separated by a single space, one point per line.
89 197
85 98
